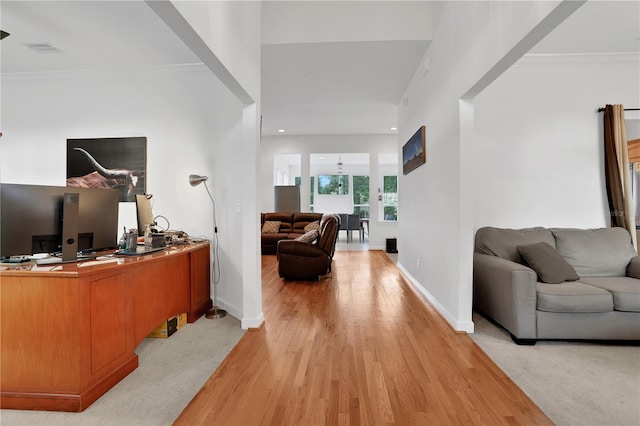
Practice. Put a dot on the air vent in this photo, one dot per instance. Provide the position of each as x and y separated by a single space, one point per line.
42 47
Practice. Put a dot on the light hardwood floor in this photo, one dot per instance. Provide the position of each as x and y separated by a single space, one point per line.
356 348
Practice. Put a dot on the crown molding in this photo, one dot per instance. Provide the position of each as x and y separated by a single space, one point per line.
578 58
194 69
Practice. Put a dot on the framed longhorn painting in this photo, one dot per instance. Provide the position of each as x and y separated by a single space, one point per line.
118 163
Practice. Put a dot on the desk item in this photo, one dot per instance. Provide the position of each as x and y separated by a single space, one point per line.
132 241
15 259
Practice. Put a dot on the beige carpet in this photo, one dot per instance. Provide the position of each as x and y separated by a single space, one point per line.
170 373
574 383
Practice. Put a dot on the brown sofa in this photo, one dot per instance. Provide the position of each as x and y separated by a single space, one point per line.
291 227
300 260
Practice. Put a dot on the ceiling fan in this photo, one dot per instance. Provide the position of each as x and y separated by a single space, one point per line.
3 34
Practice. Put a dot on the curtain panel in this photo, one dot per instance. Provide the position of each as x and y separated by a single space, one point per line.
618 178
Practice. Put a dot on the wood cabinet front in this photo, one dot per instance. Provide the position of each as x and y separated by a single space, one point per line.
69 332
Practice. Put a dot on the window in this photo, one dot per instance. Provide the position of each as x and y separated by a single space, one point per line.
333 184
285 169
361 196
390 197
298 182
311 193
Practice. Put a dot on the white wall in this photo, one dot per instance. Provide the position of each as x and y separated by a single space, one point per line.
307 145
537 156
435 240
225 35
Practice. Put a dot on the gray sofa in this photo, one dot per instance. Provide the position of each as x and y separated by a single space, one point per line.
592 289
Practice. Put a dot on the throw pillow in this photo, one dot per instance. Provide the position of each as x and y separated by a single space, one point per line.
271 227
308 237
548 264
313 226
633 269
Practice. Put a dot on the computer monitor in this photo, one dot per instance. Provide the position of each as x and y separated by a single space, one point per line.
31 218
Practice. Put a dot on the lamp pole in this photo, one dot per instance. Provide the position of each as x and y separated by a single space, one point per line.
215 312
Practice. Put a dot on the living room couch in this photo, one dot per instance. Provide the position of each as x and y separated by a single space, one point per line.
290 227
592 288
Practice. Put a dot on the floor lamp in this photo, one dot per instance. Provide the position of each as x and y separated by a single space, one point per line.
214 312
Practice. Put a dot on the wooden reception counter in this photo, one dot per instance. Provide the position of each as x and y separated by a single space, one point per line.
69 331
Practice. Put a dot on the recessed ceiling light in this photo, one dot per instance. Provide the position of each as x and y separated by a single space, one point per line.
281 130
394 129
322 157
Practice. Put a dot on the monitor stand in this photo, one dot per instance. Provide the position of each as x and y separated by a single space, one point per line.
70 227
70 209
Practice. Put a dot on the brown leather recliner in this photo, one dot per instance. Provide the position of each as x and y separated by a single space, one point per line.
298 260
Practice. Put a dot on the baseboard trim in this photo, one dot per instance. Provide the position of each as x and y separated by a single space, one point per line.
252 323
458 326
70 402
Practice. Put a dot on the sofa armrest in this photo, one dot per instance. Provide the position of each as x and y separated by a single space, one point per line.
506 292
299 248
633 268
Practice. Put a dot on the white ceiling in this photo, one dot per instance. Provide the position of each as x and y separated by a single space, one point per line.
336 87
342 76
86 35
596 27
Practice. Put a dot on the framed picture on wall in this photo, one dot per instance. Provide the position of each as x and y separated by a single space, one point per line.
414 152
118 163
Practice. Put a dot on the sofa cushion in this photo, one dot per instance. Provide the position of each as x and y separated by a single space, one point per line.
308 237
313 226
271 227
572 297
548 264
301 220
633 268
603 252
503 242
286 220
626 291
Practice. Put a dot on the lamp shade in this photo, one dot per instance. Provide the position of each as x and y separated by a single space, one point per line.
197 179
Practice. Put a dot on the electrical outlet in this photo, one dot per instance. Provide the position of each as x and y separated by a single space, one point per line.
237 206
418 263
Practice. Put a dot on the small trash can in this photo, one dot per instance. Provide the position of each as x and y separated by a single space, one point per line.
392 245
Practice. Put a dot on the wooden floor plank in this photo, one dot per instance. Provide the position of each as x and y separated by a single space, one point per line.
356 348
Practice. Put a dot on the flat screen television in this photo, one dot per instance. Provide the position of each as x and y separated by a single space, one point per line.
31 218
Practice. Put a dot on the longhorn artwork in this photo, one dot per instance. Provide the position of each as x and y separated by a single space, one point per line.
118 163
